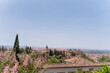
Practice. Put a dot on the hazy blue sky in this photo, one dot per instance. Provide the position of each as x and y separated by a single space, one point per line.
57 23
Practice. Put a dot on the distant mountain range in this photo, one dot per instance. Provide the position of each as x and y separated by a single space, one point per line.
95 51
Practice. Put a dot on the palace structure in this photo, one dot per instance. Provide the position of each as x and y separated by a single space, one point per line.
72 64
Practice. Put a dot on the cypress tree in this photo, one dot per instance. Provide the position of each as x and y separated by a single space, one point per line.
54 51
2 48
51 52
16 47
16 44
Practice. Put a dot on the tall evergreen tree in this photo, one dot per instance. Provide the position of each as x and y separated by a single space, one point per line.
16 47
51 52
2 48
16 44
55 51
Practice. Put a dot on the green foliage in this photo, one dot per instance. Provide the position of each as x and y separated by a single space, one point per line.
80 72
57 53
73 53
21 50
28 50
53 60
4 63
86 57
104 69
34 55
3 49
44 54
83 72
104 59
16 45
50 53
31 68
59 57
55 57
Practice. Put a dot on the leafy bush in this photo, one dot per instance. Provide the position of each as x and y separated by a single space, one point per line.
28 50
104 59
21 50
53 60
104 69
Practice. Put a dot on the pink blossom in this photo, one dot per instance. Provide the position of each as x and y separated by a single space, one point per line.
15 58
25 63
40 72
6 70
31 61
16 61
15 68
39 63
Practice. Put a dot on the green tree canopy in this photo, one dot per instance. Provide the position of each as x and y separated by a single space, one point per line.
53 60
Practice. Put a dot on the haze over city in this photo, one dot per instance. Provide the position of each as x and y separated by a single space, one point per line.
58 23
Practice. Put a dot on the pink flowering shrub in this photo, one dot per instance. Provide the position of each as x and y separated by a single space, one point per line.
6 69
15 68
27 64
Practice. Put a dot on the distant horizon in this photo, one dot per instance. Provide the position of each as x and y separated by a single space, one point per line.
10 46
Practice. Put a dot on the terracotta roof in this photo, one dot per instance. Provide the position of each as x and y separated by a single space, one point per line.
77 60
51 66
